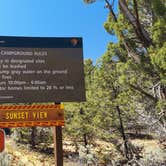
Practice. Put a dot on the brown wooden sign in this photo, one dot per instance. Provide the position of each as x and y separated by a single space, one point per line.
31 115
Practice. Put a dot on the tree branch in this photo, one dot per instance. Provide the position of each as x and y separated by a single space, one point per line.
141 33
143 92
130 51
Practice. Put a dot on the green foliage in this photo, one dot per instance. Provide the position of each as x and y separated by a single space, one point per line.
159 8
159 32
158 58
22 135
79 115
118 79
42 137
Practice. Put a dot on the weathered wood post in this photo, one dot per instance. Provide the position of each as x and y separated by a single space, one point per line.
58 146
58 150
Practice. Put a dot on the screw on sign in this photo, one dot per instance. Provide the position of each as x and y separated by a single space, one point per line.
2 140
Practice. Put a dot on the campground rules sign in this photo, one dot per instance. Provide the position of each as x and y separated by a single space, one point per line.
41 70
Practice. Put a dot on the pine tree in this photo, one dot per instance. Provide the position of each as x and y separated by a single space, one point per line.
140 28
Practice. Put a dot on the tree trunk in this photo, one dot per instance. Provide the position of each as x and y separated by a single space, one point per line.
126 150
33 135
85 140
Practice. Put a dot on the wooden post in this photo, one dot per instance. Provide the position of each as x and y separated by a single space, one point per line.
58 151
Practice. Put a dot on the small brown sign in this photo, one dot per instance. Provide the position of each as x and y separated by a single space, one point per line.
2 140
31 115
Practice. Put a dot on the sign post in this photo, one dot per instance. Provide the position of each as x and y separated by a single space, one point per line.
58 144
58 150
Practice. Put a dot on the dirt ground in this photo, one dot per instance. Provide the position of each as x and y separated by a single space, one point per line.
24 156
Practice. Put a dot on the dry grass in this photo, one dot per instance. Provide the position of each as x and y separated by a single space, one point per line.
151 149
24 156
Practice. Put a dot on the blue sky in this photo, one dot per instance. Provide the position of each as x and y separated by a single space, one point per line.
57 18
